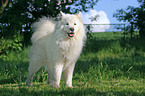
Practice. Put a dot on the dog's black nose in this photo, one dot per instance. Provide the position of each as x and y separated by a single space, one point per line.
71 29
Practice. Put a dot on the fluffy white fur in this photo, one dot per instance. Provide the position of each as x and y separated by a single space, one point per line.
55 47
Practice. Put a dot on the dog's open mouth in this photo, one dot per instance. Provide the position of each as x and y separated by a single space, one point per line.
71 34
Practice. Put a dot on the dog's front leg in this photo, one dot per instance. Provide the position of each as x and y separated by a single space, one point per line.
68 74
55 75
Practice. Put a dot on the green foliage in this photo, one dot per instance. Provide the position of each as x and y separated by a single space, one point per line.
134 15
8 45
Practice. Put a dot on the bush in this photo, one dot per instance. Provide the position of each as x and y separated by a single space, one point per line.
8 45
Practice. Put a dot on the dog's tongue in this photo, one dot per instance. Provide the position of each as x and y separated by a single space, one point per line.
71 34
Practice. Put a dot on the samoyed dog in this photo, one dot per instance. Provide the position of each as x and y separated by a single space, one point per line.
57 46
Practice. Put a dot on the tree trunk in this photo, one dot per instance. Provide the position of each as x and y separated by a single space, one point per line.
142 33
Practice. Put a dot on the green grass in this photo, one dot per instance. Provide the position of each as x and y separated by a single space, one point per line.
108 35
108 66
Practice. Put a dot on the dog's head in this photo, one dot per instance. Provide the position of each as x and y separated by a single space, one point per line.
70 23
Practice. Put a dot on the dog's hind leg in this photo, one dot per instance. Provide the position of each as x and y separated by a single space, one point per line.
33 68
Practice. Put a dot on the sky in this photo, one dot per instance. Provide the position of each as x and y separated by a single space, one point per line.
105 9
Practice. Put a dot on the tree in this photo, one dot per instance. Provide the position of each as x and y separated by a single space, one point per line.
3 5
134 15
20 14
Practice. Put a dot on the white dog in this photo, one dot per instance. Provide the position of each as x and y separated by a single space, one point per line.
57 45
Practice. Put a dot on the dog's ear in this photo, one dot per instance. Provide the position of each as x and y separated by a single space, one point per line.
79 14
62 14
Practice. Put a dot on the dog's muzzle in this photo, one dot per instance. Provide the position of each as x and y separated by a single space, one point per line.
71 33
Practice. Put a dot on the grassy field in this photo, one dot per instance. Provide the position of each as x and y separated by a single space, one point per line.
108 66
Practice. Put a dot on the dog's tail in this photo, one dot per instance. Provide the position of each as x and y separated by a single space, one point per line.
44 27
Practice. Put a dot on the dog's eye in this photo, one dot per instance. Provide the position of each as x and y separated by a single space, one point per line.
67 24
75 24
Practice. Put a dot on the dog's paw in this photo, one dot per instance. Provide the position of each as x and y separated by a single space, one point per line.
54 85
70 86
28 83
